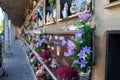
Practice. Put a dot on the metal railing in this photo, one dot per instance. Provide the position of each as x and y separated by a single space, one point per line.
40 59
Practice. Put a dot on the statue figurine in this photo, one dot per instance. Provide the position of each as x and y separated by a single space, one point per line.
65 10
74 7
47 17
40 11
39 22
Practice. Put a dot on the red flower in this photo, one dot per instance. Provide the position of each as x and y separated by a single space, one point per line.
41 75
45 62
34 16
45 54
39 66
68 73
32 55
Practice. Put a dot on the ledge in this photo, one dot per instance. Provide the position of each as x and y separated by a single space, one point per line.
38 27
69 17
62 19
49 23
113 4
61 32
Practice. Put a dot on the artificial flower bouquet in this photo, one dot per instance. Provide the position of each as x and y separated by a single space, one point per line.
66 73
79 49
41 47
41 42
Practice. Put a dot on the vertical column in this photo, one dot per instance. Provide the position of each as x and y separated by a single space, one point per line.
12 33
6 33
9 31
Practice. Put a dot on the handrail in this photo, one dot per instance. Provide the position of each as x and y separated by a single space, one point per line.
40 59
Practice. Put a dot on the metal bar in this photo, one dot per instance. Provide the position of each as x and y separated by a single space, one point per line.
40 59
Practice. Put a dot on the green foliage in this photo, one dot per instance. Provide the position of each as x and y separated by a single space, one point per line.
88 31
85 40
42 47
52 3
76 66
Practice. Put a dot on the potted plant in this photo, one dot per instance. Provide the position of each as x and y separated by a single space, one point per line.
53 5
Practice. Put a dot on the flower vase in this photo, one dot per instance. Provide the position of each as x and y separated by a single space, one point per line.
84 75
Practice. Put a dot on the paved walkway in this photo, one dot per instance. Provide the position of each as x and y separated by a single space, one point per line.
17 65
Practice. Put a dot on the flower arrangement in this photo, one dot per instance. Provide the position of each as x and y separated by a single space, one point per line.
46 55
40 73
79 49
41 41
66 73
41 46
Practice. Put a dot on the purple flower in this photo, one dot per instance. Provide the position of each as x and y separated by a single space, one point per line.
70 48
43 41
69 53
44 36
83 63
63 42
70 43
36 38
87 49
39 43
84 16
82 54
78 34
37 35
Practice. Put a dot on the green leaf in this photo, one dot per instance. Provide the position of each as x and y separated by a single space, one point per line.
74 56
76 65
52 3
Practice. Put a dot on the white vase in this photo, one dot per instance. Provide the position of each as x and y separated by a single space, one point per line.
84 75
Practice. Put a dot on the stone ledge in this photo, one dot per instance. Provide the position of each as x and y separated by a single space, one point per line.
113 4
